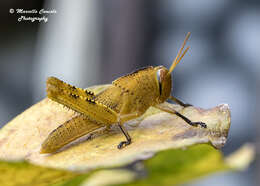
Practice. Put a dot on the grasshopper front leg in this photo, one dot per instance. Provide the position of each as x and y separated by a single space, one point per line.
166 108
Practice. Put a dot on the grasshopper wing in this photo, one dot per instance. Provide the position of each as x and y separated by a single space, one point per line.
62 86
77 99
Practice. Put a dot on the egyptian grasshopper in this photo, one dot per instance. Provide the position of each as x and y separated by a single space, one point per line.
127 98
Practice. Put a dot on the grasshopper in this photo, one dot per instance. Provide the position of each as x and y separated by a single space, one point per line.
127 98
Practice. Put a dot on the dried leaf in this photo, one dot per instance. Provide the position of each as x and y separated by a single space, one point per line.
155 131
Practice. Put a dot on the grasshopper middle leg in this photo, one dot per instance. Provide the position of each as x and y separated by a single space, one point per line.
122 119
128 138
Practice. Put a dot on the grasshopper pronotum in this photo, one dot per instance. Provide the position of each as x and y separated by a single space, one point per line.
128 97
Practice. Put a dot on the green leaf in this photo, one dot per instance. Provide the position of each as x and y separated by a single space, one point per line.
23 173
176 166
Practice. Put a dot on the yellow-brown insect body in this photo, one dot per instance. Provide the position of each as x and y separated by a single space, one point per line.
133 93
127 98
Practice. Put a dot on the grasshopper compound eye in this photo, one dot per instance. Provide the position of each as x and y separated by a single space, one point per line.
159 79
164 83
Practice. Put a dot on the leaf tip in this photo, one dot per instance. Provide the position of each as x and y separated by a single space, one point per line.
241 158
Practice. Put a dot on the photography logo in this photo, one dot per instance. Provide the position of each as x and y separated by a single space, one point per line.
32 15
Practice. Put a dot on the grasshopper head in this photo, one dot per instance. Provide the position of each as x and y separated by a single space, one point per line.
164 75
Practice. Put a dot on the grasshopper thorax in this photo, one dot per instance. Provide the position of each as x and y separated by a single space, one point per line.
164 82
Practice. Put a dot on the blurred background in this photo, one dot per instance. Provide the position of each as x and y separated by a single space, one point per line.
93 42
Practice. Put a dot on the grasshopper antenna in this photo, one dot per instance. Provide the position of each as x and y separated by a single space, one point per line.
178 57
